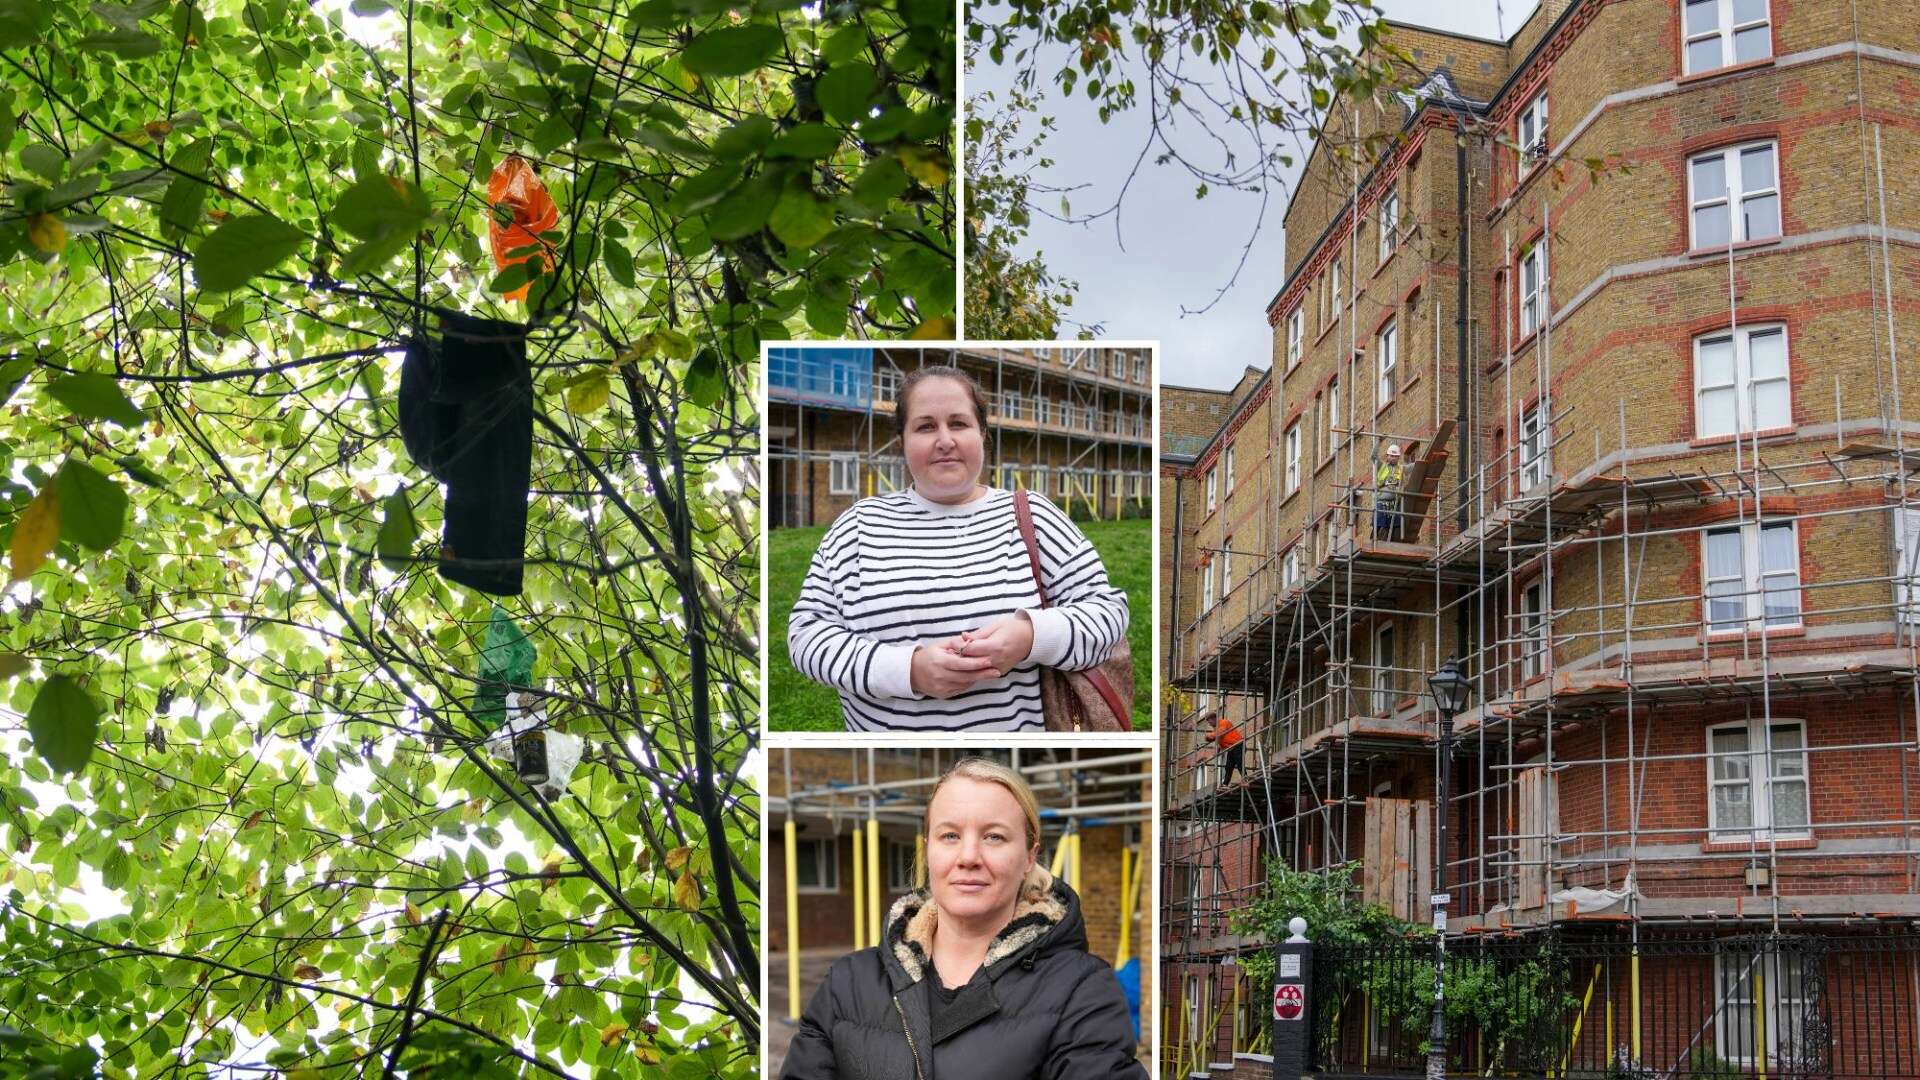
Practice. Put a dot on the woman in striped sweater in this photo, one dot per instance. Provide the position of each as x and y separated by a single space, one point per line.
920 606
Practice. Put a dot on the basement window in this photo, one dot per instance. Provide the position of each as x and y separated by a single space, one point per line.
1757 781
1751 980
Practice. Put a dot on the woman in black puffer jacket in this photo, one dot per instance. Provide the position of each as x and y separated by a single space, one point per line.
985 975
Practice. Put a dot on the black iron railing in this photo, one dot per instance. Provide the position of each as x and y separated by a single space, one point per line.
1774 1006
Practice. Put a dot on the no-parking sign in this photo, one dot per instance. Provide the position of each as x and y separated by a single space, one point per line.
1289 1001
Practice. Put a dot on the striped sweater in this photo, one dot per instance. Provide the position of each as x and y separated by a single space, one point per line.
896 571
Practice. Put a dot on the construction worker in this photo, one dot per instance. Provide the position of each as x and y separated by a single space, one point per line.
1226 735
1386 495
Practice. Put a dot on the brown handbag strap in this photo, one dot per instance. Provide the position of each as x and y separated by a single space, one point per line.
1023 516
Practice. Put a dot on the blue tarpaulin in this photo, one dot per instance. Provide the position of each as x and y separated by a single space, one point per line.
1129 976
837 376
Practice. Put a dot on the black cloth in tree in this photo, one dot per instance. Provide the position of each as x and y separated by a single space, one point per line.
466 416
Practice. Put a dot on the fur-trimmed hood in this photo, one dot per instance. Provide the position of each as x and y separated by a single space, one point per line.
1046 917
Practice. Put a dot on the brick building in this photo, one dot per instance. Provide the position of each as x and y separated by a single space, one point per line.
1072 421
1633 294
1100 797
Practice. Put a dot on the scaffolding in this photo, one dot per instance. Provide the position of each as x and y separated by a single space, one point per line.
1557 595
1071 421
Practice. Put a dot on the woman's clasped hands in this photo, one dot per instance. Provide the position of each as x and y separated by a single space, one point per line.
946 668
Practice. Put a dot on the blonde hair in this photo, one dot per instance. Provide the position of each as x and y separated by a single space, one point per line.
987 771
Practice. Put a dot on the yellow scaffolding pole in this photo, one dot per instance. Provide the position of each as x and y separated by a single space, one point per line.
793 922
876 881
1585 1003
1760 1015
1073 867
1634 1003
859 894
919 860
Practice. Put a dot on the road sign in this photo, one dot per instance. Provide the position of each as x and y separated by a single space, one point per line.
1440 899
1289 1001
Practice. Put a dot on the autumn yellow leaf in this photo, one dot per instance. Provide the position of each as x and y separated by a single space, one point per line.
45 232
34 534
649 1054
930 167
686 892
413 915
940 329
308 972
677 858
612 1033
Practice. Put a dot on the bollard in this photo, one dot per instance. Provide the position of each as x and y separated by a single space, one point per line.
1292 1000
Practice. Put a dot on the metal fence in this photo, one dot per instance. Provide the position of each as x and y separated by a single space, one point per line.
1765 1006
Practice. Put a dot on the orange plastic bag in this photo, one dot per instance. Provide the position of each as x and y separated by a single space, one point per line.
515 184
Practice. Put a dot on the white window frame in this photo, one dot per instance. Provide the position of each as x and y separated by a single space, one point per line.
1334 278
1766 766
1296 336
1744 386
1229 468
1064 477
1752 586
1290 567
1536 453
1389 224
1386 365
1333 415
1213 490
1730 168
1530 133
1533 295
1117 367
841 464
827 856
1735 1023
886 384
1140 369
1533 628
1906 563
1206 584
894 470
1383 689
1293 458
1724 28
1226 567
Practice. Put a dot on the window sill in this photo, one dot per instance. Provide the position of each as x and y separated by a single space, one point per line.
1727 440
1744 245
1715 637
1731 69
1333 320
1797 843
1520 343
1382 265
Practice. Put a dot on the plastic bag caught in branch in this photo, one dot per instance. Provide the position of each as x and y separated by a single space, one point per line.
506 661
515 187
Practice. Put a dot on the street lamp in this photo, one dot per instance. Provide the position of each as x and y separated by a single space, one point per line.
1451 691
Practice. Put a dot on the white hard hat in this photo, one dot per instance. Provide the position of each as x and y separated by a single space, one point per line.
1393 450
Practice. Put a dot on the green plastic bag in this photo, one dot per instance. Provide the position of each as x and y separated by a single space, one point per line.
506 662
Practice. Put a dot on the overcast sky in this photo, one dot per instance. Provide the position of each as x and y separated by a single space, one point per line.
1171 251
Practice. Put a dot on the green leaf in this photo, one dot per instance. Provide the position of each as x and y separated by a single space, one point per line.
63 723
128 44
589 393
93 509
744 139
619 263
242 249
742 213
732 50
366 158
703 189
44 160
514 276
377 205
95 397
24 22
705 382
806 141
368 9
846 92
180 207
398 531
800 219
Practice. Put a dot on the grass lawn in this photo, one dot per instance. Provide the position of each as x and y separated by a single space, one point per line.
800 704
